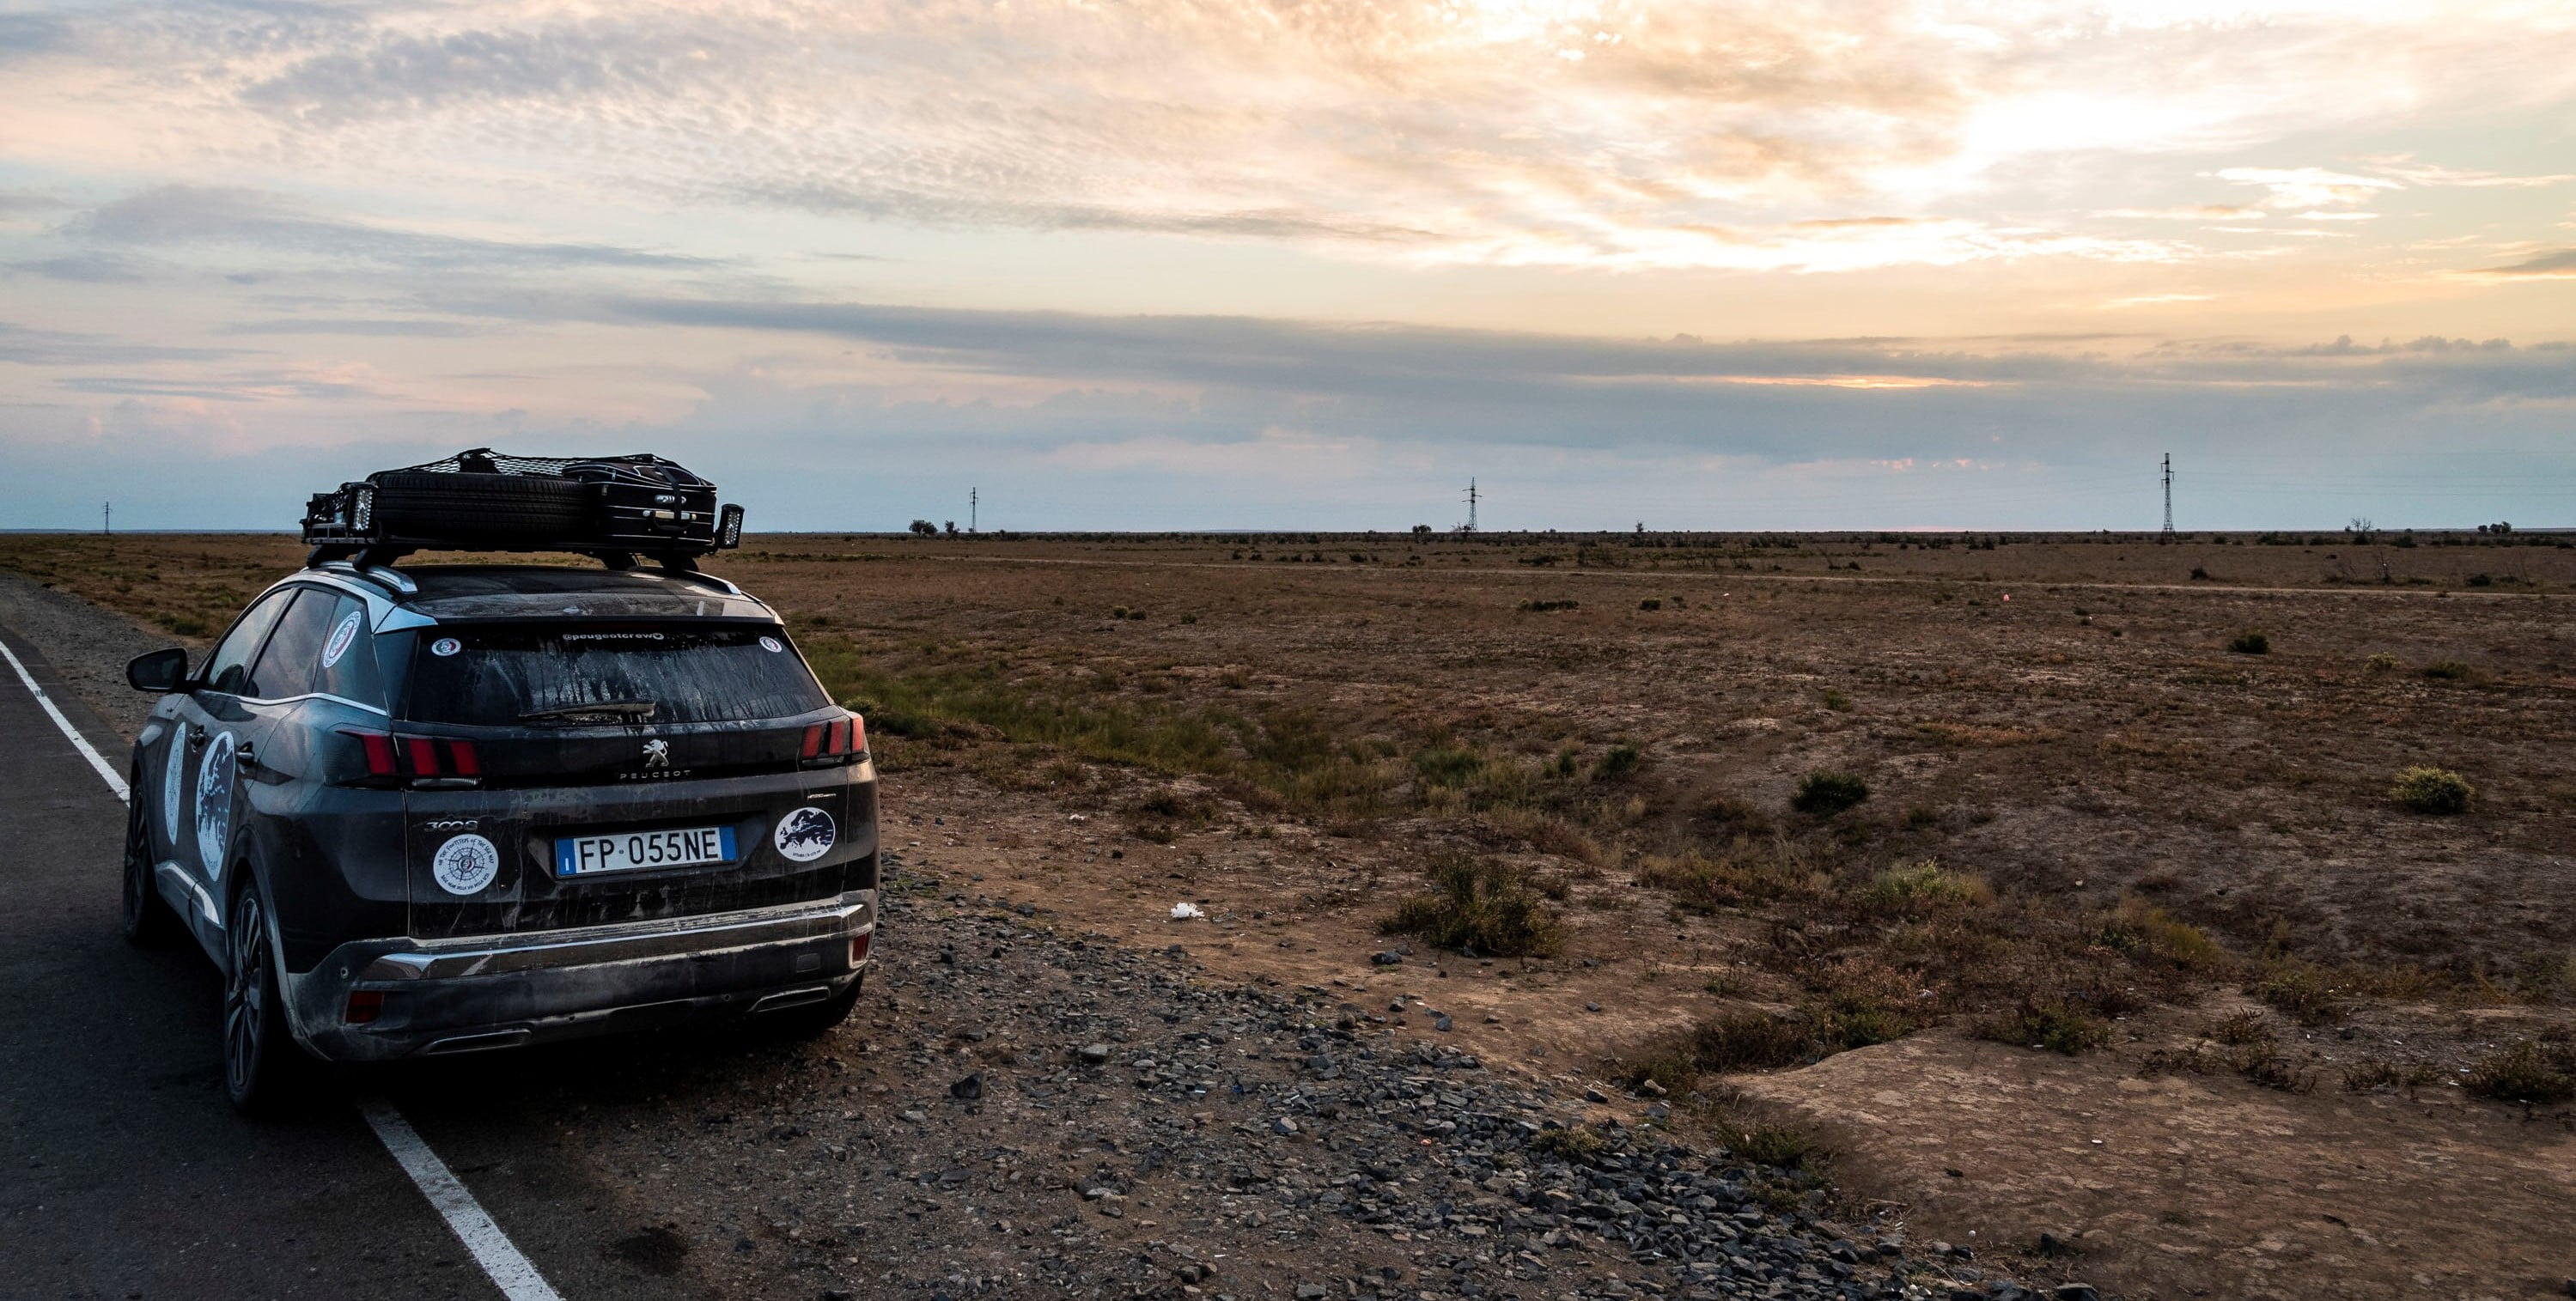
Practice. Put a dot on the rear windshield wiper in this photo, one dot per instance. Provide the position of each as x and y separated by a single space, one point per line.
621 709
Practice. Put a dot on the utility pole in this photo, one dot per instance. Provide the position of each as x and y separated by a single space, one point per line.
1471 505
972 505
2168 535
106 518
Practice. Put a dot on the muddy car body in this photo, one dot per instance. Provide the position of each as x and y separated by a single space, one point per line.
456 808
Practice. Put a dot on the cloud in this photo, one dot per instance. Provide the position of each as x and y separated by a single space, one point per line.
2192 212
2309 187
1729 137
2557 264
90 268
36 347
2405 168
185 215
355 326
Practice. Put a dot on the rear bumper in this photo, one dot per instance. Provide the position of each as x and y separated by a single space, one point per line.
504 991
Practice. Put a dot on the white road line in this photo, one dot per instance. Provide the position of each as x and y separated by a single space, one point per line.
492 1249
510 1271
105 770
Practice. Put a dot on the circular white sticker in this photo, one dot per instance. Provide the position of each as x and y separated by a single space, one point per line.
215 803
465 864
770 644
445 646
341 636
805 835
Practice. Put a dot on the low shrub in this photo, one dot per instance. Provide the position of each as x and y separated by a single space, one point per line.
1749 1041
2054 1024
1542 607
1651 603
1478 907
1617 762
2425 789
2309 995
2380 662
2264 1063
2449 671
1825 794
2379 1073
2540 1071
2241 1027
2252 641
2144 931
1776 1145
1747 872
1567 1144
1924 886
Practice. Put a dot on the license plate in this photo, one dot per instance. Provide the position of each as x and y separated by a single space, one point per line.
631 850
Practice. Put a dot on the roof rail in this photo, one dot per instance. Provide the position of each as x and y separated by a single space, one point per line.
703 579
384 576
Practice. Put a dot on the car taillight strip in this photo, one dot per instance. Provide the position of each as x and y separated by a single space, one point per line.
839 739
378 747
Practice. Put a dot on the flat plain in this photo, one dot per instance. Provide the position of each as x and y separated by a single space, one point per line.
2018 885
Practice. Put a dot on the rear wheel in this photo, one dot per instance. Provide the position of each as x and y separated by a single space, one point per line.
262 1065
149 923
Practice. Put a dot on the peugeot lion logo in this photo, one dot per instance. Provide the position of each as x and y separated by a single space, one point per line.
657 754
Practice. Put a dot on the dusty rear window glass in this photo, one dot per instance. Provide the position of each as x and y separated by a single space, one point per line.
499 675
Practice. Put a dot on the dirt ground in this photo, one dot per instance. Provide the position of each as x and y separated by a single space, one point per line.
2064 718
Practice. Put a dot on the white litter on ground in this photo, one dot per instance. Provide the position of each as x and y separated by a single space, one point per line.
1185 910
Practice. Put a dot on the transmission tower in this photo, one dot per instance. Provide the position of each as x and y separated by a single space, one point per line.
972 505
2168 535
1471 505
106 517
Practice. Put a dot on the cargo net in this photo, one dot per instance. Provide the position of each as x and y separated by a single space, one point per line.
637 468
484 460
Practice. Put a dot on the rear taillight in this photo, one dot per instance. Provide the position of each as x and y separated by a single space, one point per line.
859 948
836 742
379 749
415 756
365 1005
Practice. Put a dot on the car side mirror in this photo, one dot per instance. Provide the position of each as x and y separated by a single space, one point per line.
159 672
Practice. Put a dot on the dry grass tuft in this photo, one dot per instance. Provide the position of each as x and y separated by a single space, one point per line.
2425 789
1478 907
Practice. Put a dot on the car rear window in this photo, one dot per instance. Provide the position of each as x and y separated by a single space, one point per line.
503 675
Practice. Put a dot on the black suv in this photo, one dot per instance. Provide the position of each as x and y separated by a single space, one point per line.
445 809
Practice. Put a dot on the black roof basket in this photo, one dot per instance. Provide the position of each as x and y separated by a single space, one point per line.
612 508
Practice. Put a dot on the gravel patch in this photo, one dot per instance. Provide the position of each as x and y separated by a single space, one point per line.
1024 1113
87 646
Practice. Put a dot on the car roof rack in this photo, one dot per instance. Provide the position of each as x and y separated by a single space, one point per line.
618 510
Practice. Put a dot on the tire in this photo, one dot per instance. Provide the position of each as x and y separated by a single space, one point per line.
264 1069
148 921
426 503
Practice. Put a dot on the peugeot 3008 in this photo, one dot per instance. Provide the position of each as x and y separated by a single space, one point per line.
444 809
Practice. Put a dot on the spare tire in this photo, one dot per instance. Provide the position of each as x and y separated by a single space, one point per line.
479 507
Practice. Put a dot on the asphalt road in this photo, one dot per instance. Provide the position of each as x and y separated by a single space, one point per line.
124 1173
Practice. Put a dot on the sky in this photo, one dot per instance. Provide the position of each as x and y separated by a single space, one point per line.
1246 264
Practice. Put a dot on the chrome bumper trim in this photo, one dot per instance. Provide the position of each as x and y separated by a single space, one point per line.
484 955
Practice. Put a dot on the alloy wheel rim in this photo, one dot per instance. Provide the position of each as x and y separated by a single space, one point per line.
244 993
